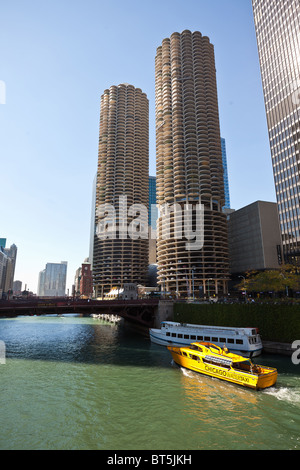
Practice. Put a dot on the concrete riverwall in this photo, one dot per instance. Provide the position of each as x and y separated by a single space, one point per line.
272 347
164 312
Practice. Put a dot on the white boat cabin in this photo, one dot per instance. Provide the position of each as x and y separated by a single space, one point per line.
243 340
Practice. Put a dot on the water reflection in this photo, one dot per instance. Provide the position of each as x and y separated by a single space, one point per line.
64 338
225 412
72 338
202 389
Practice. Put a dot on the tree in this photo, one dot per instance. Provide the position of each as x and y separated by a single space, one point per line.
275 280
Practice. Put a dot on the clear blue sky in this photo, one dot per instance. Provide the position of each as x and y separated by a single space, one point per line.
57 57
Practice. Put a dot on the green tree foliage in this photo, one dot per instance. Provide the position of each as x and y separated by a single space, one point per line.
272 280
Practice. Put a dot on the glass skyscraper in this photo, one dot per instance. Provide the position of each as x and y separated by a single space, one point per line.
52 280
152 215
277 25
225 172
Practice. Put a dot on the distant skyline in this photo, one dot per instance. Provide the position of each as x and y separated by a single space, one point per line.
57 59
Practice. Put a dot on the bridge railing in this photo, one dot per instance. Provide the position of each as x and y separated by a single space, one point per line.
60 302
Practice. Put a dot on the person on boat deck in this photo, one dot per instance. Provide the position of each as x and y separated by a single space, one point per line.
225 350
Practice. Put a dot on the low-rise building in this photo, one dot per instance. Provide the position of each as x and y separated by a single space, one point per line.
254 238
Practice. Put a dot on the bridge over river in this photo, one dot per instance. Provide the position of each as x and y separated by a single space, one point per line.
144 312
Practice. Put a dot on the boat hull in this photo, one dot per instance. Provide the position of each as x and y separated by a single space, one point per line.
158 338
266 379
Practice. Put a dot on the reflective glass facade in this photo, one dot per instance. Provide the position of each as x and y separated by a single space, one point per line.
225 172
152 215
52 280
277 26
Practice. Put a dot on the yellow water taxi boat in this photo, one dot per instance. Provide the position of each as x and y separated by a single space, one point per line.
209 359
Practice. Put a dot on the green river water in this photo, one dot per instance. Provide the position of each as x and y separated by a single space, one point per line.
79 383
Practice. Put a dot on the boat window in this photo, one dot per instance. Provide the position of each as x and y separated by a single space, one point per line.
192 356
184 353
215 339
186 337
253 339
245 365
179 335
217 361
230 340
222 340
195 347
200 338
167 334
239 341
173 335
193 337
207 338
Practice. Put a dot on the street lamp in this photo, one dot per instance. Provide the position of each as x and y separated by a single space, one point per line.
243 277
193 270
210 279
286 286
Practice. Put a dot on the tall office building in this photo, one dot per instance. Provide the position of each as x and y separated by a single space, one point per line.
152 219
225 170
119 255
277 25
189 168
254 238
92 226
17 287
153 213
8 258
52 280
10 267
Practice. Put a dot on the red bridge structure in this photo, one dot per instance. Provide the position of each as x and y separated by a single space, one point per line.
141 311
